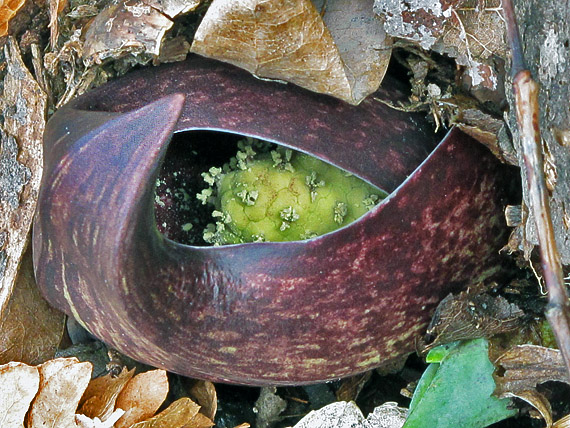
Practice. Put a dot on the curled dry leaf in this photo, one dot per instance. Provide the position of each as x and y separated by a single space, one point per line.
8 9
204 393
179 414
55 8
529 365
362 43
132 26
127 27
563 423
536 400
19 384
470 316
141 397
101 395
31 330
62 383
288 40
23 107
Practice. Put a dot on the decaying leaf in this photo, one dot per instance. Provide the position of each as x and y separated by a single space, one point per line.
387 415
19 384
268 406
55 8
288 40
346 414
421 21
529 365
131 26
464 29
179 414
362 43
86 422
536 400
101 395
352 386
470 316
563 423
340 414
471 31
126 27
23 107
62 383
30 329
141 397
485 128
204 393
8 9
173 8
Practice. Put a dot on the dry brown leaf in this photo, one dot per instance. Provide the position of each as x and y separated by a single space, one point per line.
132 26
362 43
127 27
23 107
55 8
562 423
19 384
470 316
62 383
288 40
536 400
86 422
473 34
276 39
8 9
527 366
101 394
177 415
30 329
199 421
351 387
173 8
203 392
244 425
471 31
420 21
141 397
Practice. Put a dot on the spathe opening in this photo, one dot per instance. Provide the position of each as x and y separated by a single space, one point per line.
298 210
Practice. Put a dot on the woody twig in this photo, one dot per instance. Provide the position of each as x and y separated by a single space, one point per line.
527 112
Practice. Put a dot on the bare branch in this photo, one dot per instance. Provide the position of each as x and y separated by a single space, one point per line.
527 112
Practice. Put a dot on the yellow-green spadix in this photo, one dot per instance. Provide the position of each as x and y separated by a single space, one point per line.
269 193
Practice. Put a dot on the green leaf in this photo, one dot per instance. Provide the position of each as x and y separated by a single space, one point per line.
456 390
